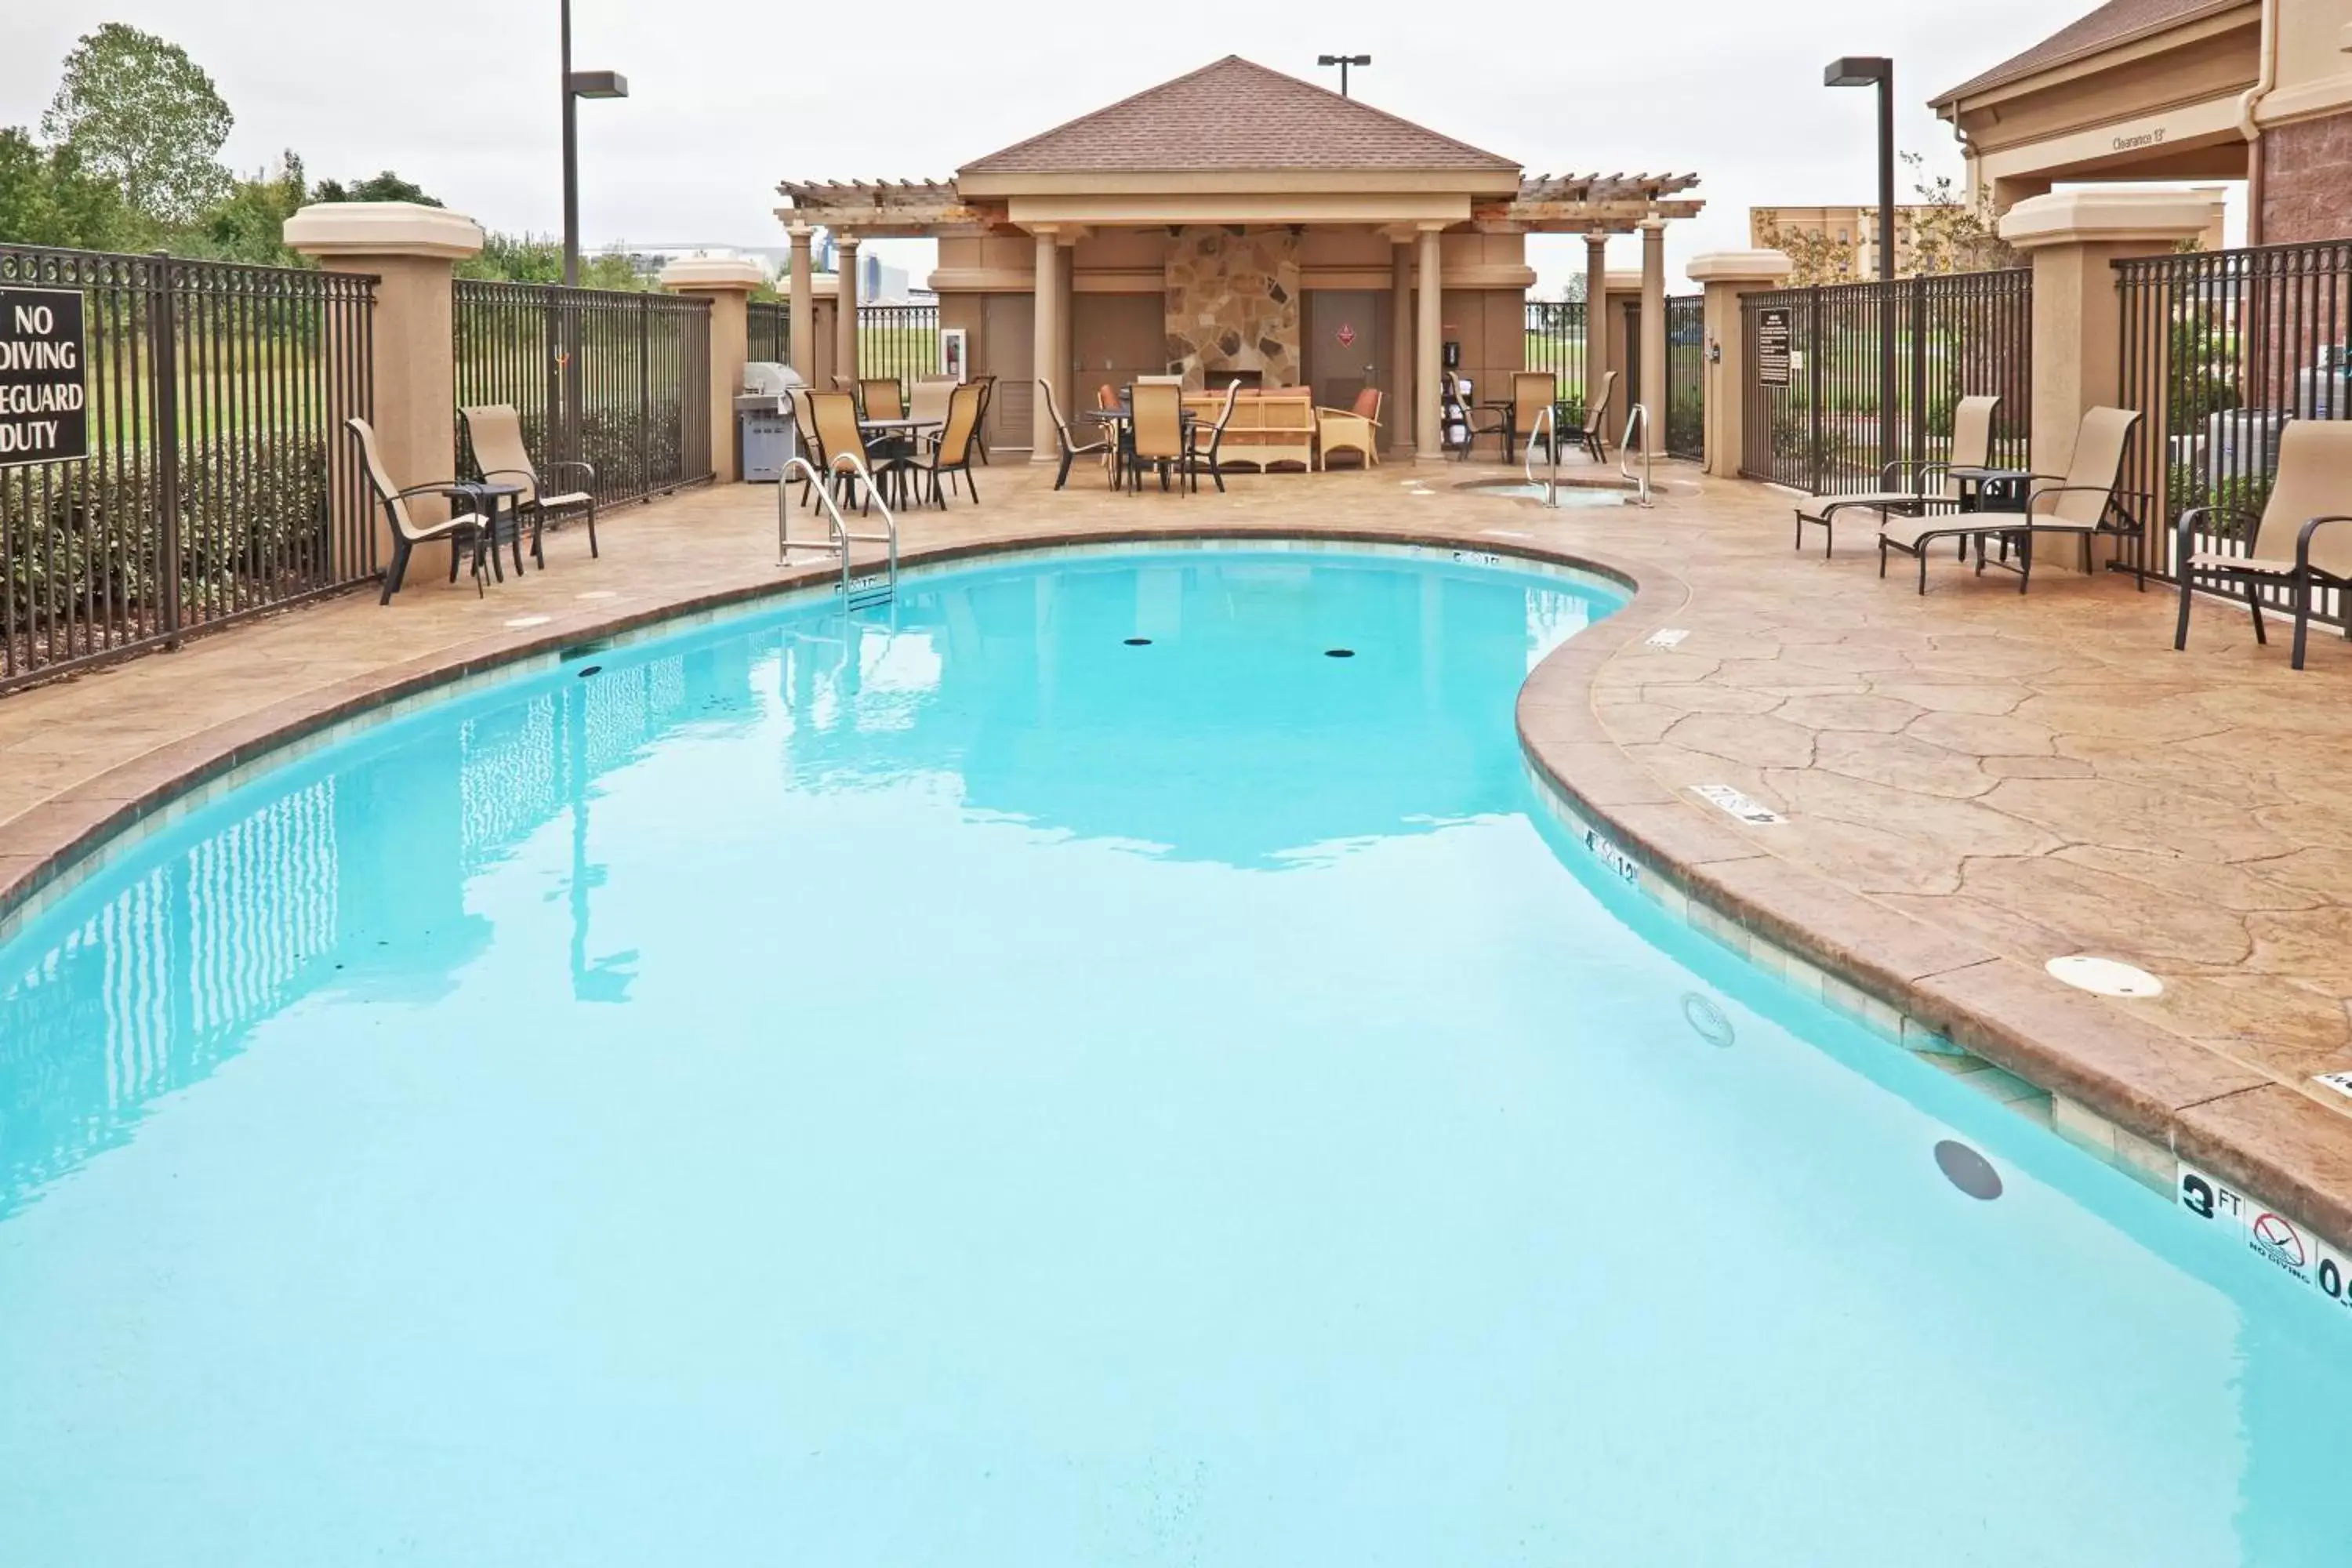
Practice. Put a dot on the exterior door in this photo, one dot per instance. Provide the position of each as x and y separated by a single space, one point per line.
1343 343
1009 340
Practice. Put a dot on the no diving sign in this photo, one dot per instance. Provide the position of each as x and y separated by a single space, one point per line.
43 379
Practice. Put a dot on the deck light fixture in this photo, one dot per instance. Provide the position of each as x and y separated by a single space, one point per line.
1343 62
1878 71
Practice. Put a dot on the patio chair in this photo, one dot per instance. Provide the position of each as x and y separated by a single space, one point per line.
951 453
1159 437
496 432
881 397
1596 420
1532 391
2294 546
2081 504
468 527
1971 449
833 417
1474 419
1071 451
929 401
1356 429
1207 448
987 384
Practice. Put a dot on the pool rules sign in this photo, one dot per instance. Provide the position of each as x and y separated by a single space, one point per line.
44 378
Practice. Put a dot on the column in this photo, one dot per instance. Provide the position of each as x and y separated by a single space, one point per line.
727 282
2073 238
1596 317
1728 277
1429 305
1654 334
1045 294
1398 409
844 321
803 305
413 251
1066 315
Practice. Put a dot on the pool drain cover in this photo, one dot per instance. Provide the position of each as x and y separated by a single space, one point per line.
2105 976
1705 1017
588 670
1968 1170
1139 641
1338 653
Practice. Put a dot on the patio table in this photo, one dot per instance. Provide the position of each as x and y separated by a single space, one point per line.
502 498
898 430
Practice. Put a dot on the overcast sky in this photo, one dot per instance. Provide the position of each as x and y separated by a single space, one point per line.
728 97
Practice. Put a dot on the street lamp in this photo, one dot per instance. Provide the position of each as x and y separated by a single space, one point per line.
1343 62
578 85
1877 70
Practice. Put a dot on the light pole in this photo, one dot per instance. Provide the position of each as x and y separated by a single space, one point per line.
1343 62
1877 70
578 85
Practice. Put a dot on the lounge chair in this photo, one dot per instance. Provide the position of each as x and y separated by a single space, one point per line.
1928 490
951 453
2079 505
1207 448
2294 546
1354 430
467 527
1596 420
496 432
1159 437
1072 450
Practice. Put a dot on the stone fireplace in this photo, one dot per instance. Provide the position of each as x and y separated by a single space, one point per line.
1232 306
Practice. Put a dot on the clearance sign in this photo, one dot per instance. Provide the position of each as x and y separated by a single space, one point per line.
44 378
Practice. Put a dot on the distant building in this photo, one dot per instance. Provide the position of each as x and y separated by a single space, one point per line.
1848 236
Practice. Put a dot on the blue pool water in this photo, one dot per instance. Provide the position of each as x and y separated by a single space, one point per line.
957 1088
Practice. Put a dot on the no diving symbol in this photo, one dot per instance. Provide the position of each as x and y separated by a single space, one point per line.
2281 1239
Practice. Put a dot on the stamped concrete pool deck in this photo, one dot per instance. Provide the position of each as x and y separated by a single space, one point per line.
1972 782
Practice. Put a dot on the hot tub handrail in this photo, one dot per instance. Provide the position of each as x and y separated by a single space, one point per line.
1548 425
840 536
1638 418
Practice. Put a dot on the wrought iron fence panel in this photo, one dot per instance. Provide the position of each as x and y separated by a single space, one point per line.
770 327
901 342
2220 350
218 482
1556 342
1686 423
618 380
1955 335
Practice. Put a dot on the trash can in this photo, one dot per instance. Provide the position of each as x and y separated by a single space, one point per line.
763 421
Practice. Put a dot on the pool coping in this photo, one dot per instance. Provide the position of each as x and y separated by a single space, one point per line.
2131 1091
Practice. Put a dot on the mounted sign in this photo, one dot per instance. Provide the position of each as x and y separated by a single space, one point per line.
1772 334
43 380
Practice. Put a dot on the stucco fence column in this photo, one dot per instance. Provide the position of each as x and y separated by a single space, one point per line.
2073 238
1726 278
801 288
727 282
412 251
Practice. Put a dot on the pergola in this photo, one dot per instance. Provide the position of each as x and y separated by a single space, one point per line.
1239 148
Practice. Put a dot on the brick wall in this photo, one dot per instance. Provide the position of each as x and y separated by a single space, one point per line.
2307 180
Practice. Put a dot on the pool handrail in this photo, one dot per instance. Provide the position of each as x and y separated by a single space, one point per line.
1548 423
840 536
1636 419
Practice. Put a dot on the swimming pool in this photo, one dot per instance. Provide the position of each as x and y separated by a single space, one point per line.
1106 1061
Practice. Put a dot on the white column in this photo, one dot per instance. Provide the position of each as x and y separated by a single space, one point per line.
803 305
845 305
1596 317
1654 332
1398 410
1045 346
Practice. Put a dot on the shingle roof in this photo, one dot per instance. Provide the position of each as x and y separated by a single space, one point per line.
2116 22
1236 114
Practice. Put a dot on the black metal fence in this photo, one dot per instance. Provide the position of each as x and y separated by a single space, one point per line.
618 380
771 330
1557 342
1812 412
217 483
900 341
2220 349
1685 426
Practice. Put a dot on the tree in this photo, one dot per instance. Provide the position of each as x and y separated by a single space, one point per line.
1950 234
249 223
136 110
47 198
520 259
1814 257
386 186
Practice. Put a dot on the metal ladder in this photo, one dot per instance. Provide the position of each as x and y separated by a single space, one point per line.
856 593
1547 426
1638 419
